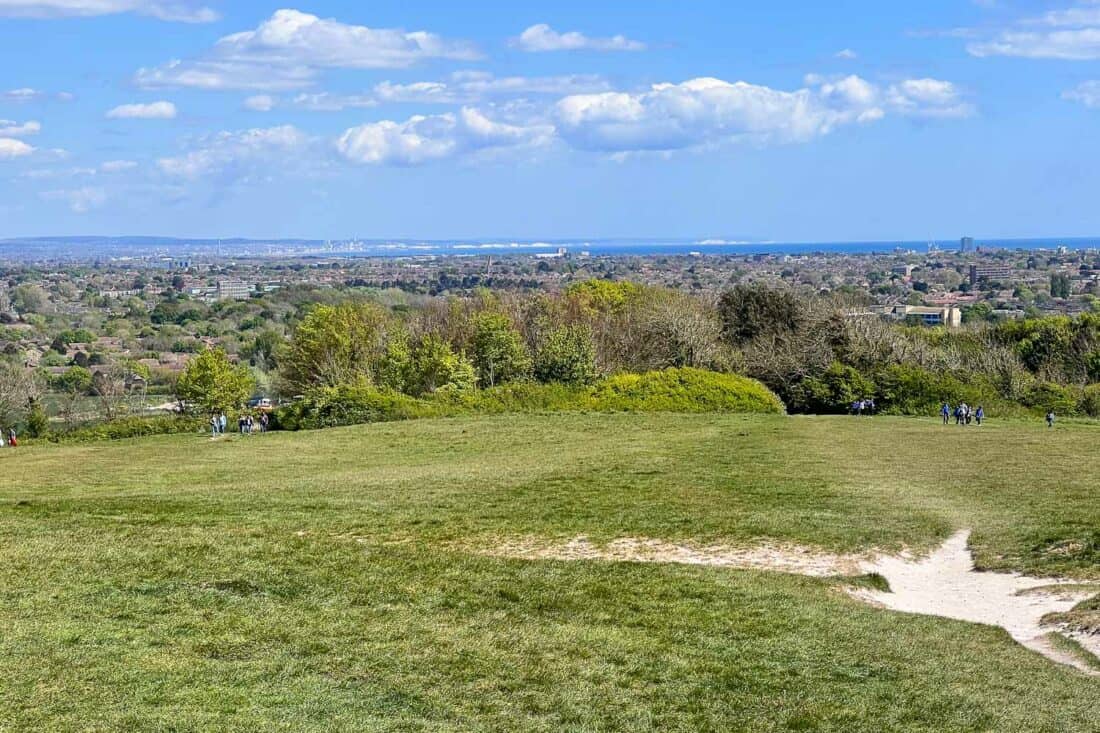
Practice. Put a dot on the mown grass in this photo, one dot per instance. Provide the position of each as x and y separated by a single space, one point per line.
310 581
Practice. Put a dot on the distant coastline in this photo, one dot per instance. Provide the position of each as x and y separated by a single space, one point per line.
91 248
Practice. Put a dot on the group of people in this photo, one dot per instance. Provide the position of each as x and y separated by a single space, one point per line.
246 424
8 438
964 414
860 407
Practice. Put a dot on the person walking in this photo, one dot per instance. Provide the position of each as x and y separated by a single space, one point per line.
12 440
214 426
265 420
979 414
222 423
249 423
1050 419
945 412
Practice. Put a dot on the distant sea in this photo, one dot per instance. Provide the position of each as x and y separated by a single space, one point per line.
672 248
99 248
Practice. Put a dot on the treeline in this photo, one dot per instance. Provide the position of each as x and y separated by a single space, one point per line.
817 353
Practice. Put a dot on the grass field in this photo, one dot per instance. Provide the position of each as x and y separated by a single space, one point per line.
316 581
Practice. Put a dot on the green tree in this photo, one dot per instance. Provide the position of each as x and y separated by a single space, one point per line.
498 352
214 383
567 355
335 344
1059 285
434 365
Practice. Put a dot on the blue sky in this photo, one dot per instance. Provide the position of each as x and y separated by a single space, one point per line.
779 120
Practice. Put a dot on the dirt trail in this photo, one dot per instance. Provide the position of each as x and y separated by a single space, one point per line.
943 584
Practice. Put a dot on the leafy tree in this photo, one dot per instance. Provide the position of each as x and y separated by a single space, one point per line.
334 345
567 355
72 385
748 311
1059 285
498 352
433 365
214 383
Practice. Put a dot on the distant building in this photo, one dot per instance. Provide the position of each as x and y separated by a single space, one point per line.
233 290
949 316
966 244
903 270
998 273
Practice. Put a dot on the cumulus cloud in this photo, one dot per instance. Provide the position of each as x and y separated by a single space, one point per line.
541 38
80 200
707 111
260 103
10 128
152 111
1087 93
12 148
288 49
421 139
171 10
232 156
1071 34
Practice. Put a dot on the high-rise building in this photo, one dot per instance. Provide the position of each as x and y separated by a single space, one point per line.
966 244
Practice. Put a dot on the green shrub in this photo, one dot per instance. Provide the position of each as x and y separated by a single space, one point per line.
672 390
684 390
328 407
1089 403
832 392
1048 396
130 427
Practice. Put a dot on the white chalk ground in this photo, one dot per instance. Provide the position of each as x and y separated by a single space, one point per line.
946 584
943 584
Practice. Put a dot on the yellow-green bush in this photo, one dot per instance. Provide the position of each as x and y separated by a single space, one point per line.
684 390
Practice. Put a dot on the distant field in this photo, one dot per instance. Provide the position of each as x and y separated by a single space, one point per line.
312 581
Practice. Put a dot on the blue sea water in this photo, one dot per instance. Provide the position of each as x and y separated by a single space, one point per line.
96 248
652 248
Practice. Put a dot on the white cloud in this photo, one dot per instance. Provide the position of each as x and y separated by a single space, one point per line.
80 200
117 166
260 103
1071 34
10 128
847 54
466 87
171 10
541 38
152 111
928 98
422 139
328 102
1087 93
460 88
288 49
234 156
217 75
11 148
706 111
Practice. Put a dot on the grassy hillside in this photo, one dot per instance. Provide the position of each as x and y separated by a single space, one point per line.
311 581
